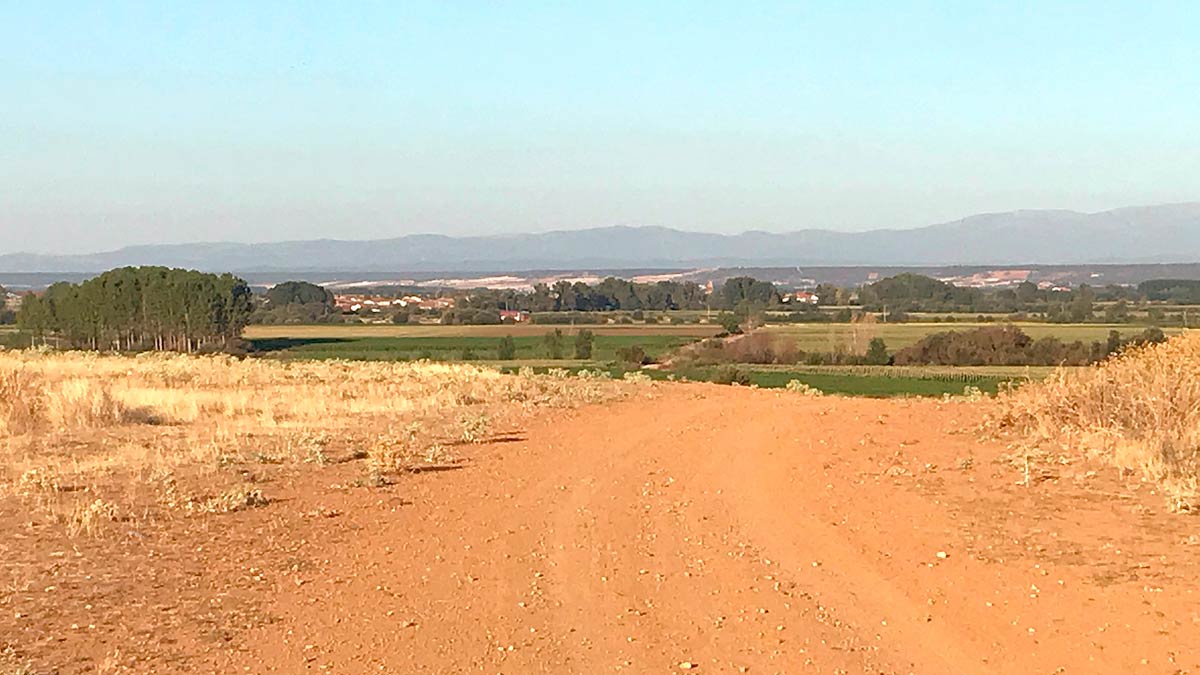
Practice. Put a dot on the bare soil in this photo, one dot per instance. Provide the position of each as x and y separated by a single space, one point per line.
690 527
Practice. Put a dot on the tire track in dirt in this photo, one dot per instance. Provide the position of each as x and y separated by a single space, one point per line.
734 530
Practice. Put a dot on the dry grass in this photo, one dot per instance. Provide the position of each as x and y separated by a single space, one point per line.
74 427
1139 411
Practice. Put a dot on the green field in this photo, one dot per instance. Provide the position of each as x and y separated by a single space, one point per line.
876 386
493 331
479 343
455 348
898 380
831 380
818 337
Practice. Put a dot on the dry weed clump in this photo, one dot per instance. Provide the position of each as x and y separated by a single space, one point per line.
803 389
1139 411
89 518
30 401
83 404
474 427
19 400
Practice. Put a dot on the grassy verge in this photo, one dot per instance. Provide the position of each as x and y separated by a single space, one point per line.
87 438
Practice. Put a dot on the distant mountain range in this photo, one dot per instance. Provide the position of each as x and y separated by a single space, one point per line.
1145 234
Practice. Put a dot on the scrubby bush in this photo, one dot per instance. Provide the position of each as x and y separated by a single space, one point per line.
583 344
633 355
1140 411
554 343
731 374
474 317
507 349
803 389
729 323
1010 346
877 353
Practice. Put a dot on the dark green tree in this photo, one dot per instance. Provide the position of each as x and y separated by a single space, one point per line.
877 353
583 344
729 322
507 349
1081 307
554 343
298 293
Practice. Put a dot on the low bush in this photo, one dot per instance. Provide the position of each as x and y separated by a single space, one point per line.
730 374
1139 411
632 355
1010 346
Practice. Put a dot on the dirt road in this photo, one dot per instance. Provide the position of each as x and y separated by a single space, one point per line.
719 530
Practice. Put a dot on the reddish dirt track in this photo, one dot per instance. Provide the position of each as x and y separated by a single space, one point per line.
700 528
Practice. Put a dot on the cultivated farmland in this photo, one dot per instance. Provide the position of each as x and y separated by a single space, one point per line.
855 336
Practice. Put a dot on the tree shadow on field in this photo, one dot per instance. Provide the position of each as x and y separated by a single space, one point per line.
263 345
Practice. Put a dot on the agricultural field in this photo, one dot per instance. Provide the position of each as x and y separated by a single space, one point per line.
855 336
889 381
331 331
480 343
864 381
461 343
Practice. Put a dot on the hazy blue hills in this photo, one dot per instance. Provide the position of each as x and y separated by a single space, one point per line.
1146 234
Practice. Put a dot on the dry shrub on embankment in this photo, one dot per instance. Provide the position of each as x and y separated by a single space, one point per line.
97 426
1139 411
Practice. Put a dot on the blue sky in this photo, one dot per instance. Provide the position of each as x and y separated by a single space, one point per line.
147 122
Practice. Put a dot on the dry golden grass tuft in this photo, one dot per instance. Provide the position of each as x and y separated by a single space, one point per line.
1139 411
74 427
19 398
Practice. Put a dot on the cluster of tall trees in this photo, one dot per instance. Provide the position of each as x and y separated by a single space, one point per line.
613 294
133 308
914 292
1177 291
296 302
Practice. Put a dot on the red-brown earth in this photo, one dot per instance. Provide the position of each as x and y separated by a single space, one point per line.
689 527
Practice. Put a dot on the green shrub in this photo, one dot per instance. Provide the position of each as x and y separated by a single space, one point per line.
632 355
507 349
554 343
730 374
583 344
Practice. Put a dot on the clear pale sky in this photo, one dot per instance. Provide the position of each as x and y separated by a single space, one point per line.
144 122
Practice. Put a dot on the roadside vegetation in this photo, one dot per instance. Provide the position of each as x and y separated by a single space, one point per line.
1139 411
90 438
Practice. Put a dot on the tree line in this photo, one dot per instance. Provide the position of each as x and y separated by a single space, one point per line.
135 308
614 294
1010 346
908 292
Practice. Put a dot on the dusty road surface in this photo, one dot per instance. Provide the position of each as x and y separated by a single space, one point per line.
689 528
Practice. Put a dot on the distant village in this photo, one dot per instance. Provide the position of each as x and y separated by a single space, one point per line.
367 305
